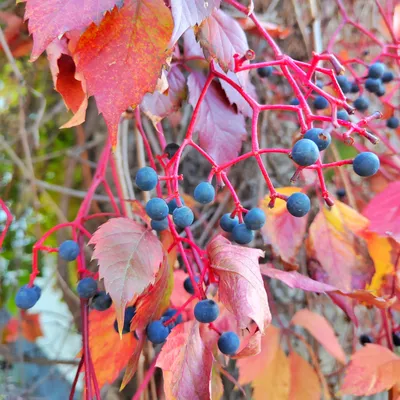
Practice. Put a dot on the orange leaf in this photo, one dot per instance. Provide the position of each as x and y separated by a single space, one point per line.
372 369
274 30
320 328
304 382
28 326
121 59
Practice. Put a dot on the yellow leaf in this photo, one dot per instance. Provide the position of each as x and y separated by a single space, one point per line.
217 388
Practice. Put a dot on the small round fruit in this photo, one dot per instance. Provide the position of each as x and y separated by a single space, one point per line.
392 123
364 339
320 137
27 297
169 314
183 217
372 85
206 311
156 332
157 209
101 301
366 164
146 179
86 288
187 284
68 250
343 115
376 70
354 88
381 91
320 103
128 316
227 223
396 338
173 204
264 72
171 149
387 76
228 343
361 103
204 193
298 204
305 152
344 83
242 235
159 226
340 193
254 219
294 102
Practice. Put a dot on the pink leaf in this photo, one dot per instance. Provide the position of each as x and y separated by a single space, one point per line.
320 328
241 287
384 211
52 18
188 13
252 346
221 130
221 37
129 257
191 47
186 363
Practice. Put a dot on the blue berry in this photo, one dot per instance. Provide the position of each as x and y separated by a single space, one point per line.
387 76
361 104
320 103
101 301
372 85
364 339
254 219
343 115
366 164
157 332
392 123
129 314
305 152
242 235
320 137
157 209
86 288
344 83
204 193
381 90
159 226
169 314
227 223
396 338
341 193
187 284
376 70
320 84
294 102
228 343
354 88
146 178
68 250
206 311
298 204
173 204
264 72
27 297
183 217
171 149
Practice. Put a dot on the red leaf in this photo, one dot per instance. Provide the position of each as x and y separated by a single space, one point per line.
186 363
129 257
132 364
221 129
52 18
29 326
372 369
221 37
188 13
252 346
241 287
320 328
384 211
121 59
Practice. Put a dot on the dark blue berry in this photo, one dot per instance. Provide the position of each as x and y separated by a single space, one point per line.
157 332
173 204
343 115
305 152
86 288
364 339
241 234
129 314
376 70
340 193
381 91
37 290
254 219
183 217
206 311
187 284
159 226
157 209
354 88
227 223
146 178
320 103
27 297
68 250
320 137
169 314
264 72
366 164
361 104
204 193
396 338
344 83
171 149
228 343
387 76
101 301
392 123
372 85
320 84
298 204
294 102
